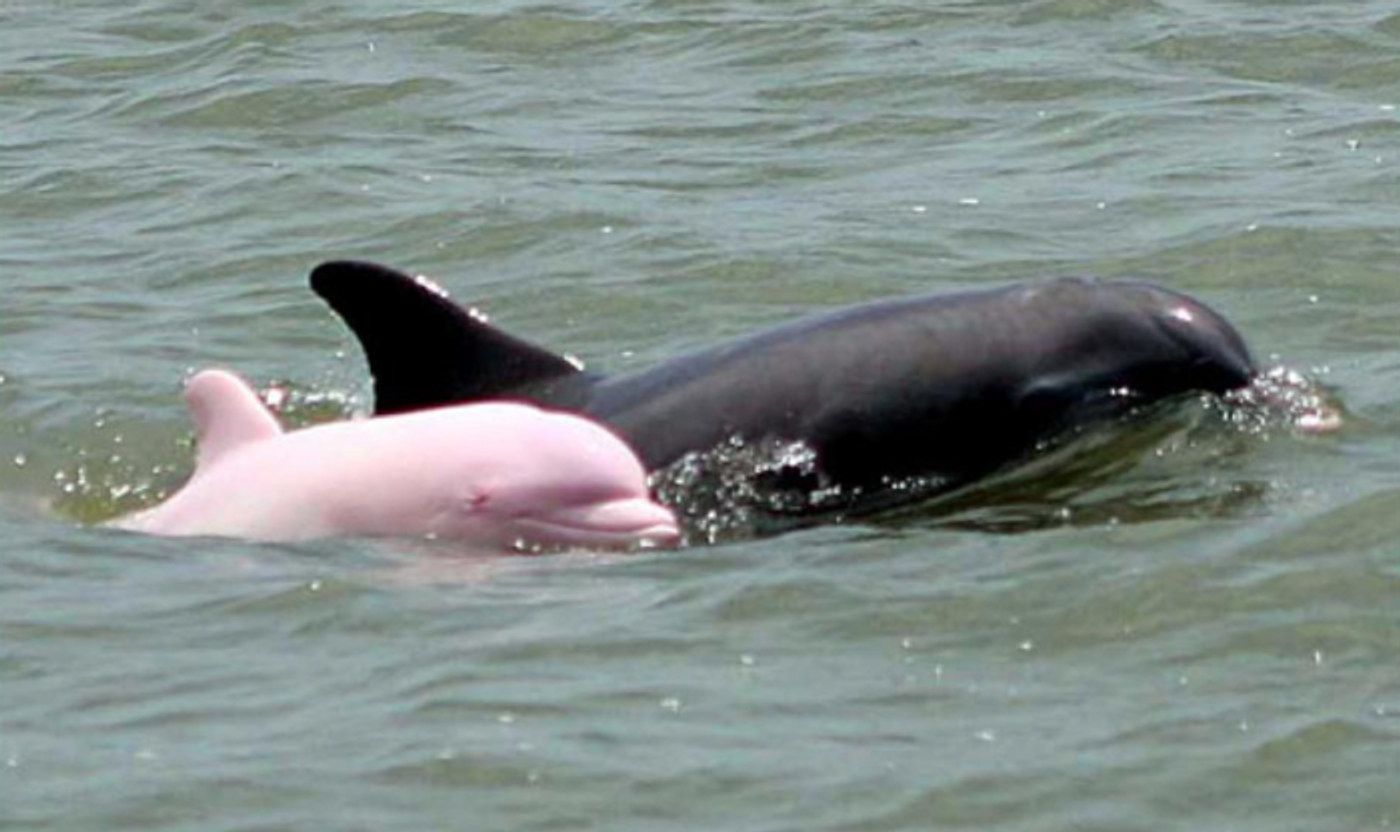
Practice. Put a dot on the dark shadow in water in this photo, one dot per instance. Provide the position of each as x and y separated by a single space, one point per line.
1173 463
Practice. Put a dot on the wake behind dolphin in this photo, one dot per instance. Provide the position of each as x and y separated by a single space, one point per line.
940 389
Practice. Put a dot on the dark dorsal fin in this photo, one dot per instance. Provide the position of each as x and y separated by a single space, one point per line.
423 349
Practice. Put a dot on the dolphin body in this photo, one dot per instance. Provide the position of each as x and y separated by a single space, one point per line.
497 474
944 388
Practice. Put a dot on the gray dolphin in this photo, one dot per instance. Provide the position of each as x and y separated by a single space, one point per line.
946 387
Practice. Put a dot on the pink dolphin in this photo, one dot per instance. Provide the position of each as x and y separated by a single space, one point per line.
495 473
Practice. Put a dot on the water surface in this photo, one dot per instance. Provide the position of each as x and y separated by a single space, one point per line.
1191 624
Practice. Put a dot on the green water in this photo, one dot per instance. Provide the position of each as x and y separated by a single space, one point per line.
1190 625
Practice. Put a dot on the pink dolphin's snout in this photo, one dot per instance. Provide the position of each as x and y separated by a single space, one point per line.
611 522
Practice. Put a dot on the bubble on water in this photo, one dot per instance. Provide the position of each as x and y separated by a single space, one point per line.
729 490
1282 397
275 398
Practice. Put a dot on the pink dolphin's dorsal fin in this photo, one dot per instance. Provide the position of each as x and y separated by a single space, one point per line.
227 415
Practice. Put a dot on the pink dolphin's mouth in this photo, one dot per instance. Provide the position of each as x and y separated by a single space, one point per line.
631 521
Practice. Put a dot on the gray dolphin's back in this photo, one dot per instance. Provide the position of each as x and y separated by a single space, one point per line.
950 386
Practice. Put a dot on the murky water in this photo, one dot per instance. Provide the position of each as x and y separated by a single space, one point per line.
1184 623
